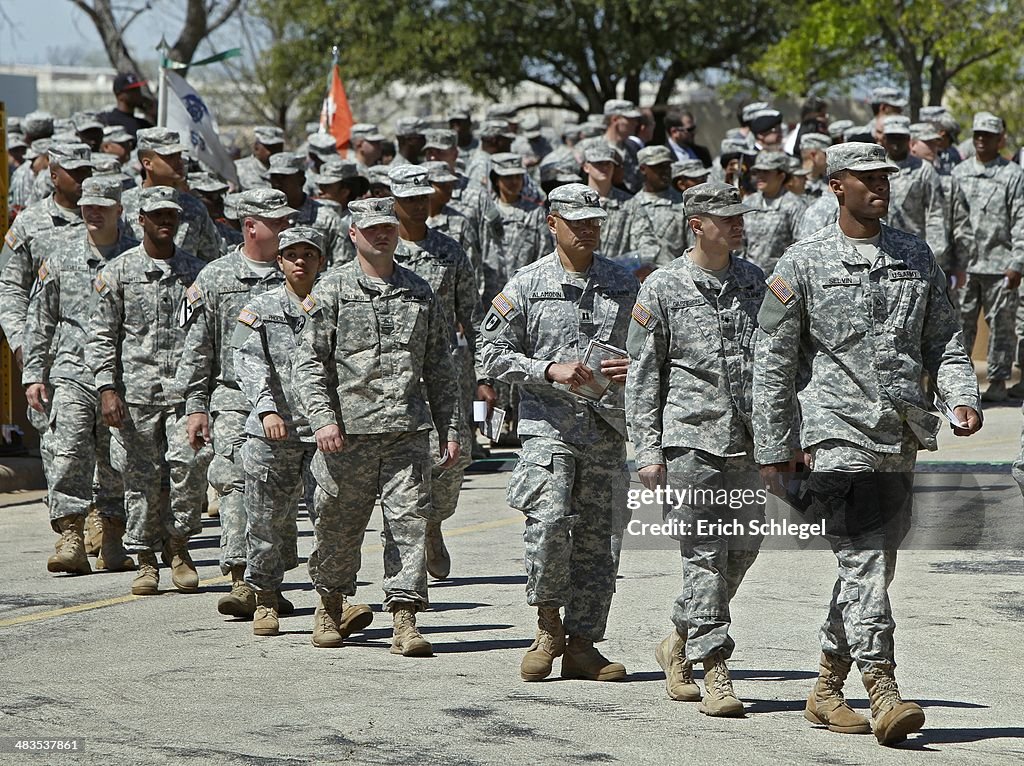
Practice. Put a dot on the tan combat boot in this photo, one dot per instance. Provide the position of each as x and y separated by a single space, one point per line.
241 601
353 617
826 704
407 640
113 557
719 698
184 576
70 556
147 581
582 660
212 502
93 533
550 643
893 718
264 621
325 621
671 656
439 563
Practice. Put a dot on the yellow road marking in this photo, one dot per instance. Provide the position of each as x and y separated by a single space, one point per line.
105 602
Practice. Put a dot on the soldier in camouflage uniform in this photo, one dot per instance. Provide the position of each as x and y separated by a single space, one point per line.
288 175
570 480
685 175
38 130
364 142
409 137
688 406
621 119
160 153
375 341
211 192
207 373
854 316
662 204
340 183
775 212
994 189
446 219
812 155
254 171
525 235
136 342
57 380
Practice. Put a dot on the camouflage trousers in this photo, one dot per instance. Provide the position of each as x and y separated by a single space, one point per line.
714 565
860 623
78 442
396 467
41 422
446 484
569 494
277 474
152 443
986 292
227 477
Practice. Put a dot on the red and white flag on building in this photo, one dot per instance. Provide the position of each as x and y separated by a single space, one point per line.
336 115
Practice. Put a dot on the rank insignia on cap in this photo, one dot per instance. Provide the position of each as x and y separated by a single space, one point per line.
248 317
43 272
10 239
99 283
193 295
502 304
781 289
308 303
641 314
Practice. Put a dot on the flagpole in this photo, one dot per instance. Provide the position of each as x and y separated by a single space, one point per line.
161 114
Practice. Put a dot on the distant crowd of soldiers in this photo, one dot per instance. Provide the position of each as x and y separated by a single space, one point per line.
321 333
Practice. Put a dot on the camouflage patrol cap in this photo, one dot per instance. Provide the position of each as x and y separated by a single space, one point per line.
155 198
231 205
560 171
439 173
620 107
888 95
379 175
655 155
858 134
268 135
689 169
38 148
442 139
86 121
70 156
373 211
735 146
765 120
63 123
293 235
601 151
496 129
459 114
713 198
263 203
529 126
771 161
815 141
65 137
857 156
924 131
570 132
576 202
16 141
501 112
592 128
286 164
206 182
941 117
408 126
986 122
116 134
837 128
796 167
409 181
751 109
163 141
14 125
335 170
365 131
105 164
101 192
37 124
322 144
507 164
896 125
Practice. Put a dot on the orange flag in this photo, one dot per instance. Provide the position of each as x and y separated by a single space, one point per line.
336 115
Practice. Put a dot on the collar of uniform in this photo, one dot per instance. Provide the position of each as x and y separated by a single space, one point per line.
242 270
56 211
733 277
848 253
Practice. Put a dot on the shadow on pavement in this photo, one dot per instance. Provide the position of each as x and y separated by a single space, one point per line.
453 582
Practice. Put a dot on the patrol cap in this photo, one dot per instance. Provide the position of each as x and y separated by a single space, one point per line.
322 144
155 198
765 120
592 129
771 161
286 164
373 211
439 173
409 181
815 140
713 198
564 171
507 164
459 114
206 182
496 129
796 167
16 141
896 125
689 169
231 205
888 95
571 132
654 155
858 134
70 156
408 126
263 203
924 131
620 107
748 111
38 124
440 138
102 192
365 131
14 125
65 137
986 122
929 113
576 202
160 140
38 148
857 156
268 135
836 128
379 175
103 163
735 146
501 112
116 134
601 151
940 116
293 235
86 121
335 170
63 123
529 126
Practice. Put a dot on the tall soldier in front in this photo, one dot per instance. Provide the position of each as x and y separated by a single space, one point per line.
854 316
571 477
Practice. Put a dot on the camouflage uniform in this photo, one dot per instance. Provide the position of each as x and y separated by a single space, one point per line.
668 221
770 227
628 233
478 206
197 233
822 212
917 206
570 480
369 351
252 174
525 239
338 247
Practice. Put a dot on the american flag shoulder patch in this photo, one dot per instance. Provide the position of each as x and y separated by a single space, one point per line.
641 314
502 304
248 317
11 239
780 289
193 295
99 283
44 271
308 303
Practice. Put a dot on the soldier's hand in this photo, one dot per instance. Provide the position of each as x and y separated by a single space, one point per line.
453 450
274 427
961 278
968 416
19 358
112 408
486 393
198 429
1012 279
615 369
569 373
772 475
652 476
37 397
329 438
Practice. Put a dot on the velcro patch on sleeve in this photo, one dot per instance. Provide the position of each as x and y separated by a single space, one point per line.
44 271
248 317
193 295
99 283
502 304
11 239
308 303
781 289
641 314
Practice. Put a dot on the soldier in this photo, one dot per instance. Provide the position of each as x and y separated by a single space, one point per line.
136 342
662 204
688 406
254 171
340 183
461 122
211 191
448 220
853 317
621 119
495 138
288 175
837 129
375 341
796 183
36 127
58 382
160 153
812 152
885 101
409 137
525 235
365 143
994 189
775 212
570 479
686 174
